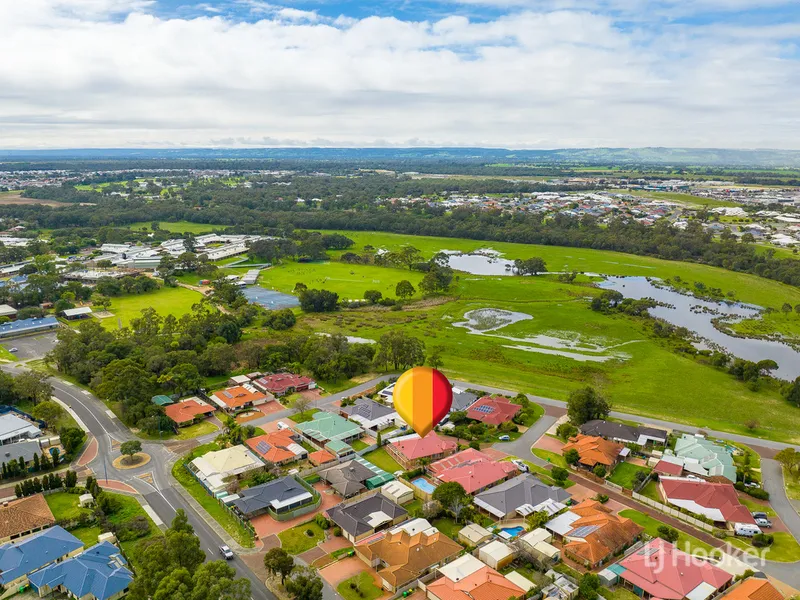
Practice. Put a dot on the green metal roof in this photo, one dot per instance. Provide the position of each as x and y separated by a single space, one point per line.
379 480
337 446
328 426
617 569
161 400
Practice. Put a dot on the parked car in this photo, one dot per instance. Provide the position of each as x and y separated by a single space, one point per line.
226 552
13 349
520 465
759 515
282 425
504 438
752 484
763 522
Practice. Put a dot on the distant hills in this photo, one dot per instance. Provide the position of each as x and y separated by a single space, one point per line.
586 156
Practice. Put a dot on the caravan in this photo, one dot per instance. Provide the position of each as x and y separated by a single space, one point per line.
746 529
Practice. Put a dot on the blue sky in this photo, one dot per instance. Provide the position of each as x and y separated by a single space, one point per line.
503 73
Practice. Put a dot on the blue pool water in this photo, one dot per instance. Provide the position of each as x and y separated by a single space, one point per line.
513 531
425 485
269 298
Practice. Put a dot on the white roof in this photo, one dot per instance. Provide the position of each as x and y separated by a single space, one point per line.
548 550
377 518
11 426
461 567
520 581
537 535
702 591
229 461
496 550
396 488
74 312
6 309
276 504
415 526
562 524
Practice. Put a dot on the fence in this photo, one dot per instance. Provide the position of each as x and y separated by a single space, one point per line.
671 512
245 523
615 487
302 510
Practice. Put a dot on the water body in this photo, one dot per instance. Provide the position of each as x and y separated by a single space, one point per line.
480 262
269 298
485 321
687 311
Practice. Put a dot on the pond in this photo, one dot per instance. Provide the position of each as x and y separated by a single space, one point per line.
698 315
479 262
269 298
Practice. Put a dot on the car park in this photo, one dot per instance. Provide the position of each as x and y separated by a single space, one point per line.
226 552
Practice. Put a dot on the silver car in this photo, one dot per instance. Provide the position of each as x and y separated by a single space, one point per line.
226 552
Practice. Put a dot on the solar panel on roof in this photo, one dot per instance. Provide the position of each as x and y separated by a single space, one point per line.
228 394
583 531
485 409
263 447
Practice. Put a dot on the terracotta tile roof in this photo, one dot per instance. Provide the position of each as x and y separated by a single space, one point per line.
663 571
493 410
668 468
25 514
754 589
320 457
594 450
483 584
598 534
407 556
187 410
273 447
473 469
716 496
430 445
279 383
237 396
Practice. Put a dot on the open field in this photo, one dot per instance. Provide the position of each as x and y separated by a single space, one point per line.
166 300
685 542
689 199
178 226
16 198
64 506
785 324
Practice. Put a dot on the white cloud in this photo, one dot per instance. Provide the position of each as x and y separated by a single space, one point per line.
531 79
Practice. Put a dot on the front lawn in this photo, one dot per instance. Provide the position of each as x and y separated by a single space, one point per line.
380 458
533 414
754 506
651 491
65 506
625 474
448 527
297 539
551 457
686 542
306 416
791 481
784 548
358 445
221 515
197 430
754 460
359 587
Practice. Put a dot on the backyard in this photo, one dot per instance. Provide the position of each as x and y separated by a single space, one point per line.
625 474
685 542
64 506
297 539
380 458
359 587
448 527
220 514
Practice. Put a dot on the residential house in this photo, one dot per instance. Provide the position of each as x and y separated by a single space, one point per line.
471 581
281 384
493 410
369 414
188 411
321 457
276 497
473 535
753 588
409 451
522 496
716 501
279 447
597 535
215 469
462 400
496 554
355 476
473 469
339 449
402 557
538 543
21 558
671 466
623 433
23 517
705 458
660 570
367 516
21 450
13 428
324 427
99 573
594 450
239 398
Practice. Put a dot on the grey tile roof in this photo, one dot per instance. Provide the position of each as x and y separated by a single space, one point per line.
620 431
260 497
523 489
463 400
352 518
368 409
347 478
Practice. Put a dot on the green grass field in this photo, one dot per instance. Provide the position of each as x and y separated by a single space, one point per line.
296 540
624 474
358 445
178 226
448 526
166 300
791 480
688 199
784 548
87 534
551 457
6 356
365 588
380 458
685 542
651 491
64 506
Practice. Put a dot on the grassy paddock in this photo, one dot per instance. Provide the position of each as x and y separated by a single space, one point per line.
178 226
166 300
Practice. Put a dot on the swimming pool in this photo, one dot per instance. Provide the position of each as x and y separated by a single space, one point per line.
425 485
512 531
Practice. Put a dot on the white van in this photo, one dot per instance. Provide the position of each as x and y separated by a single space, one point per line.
746 529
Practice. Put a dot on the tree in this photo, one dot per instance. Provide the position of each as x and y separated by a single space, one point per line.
537 519
216 581
405 290
434 359
599 471
560 475
373 296
566 430
279 562
572 456
182 379
130 449
786 308
585 405
448 493
789 458
72 438
530 266
33 386
587 589
48 411
304 584
791 392
318 300
400 350
301 405
185 549
668 533
70 479
180 522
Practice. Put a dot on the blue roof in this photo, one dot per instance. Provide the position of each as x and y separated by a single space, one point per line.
34 552
100 571
28 325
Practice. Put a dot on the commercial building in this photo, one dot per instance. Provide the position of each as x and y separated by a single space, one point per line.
13 428
73 314
28 326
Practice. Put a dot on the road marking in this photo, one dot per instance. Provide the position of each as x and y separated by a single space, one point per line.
86 392
84 406
110 414
152 514
74 415
69 383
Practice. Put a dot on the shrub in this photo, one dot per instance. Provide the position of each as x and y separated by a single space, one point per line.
560 474
762 540
599 471
601 498
337 531
322 522
566 431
